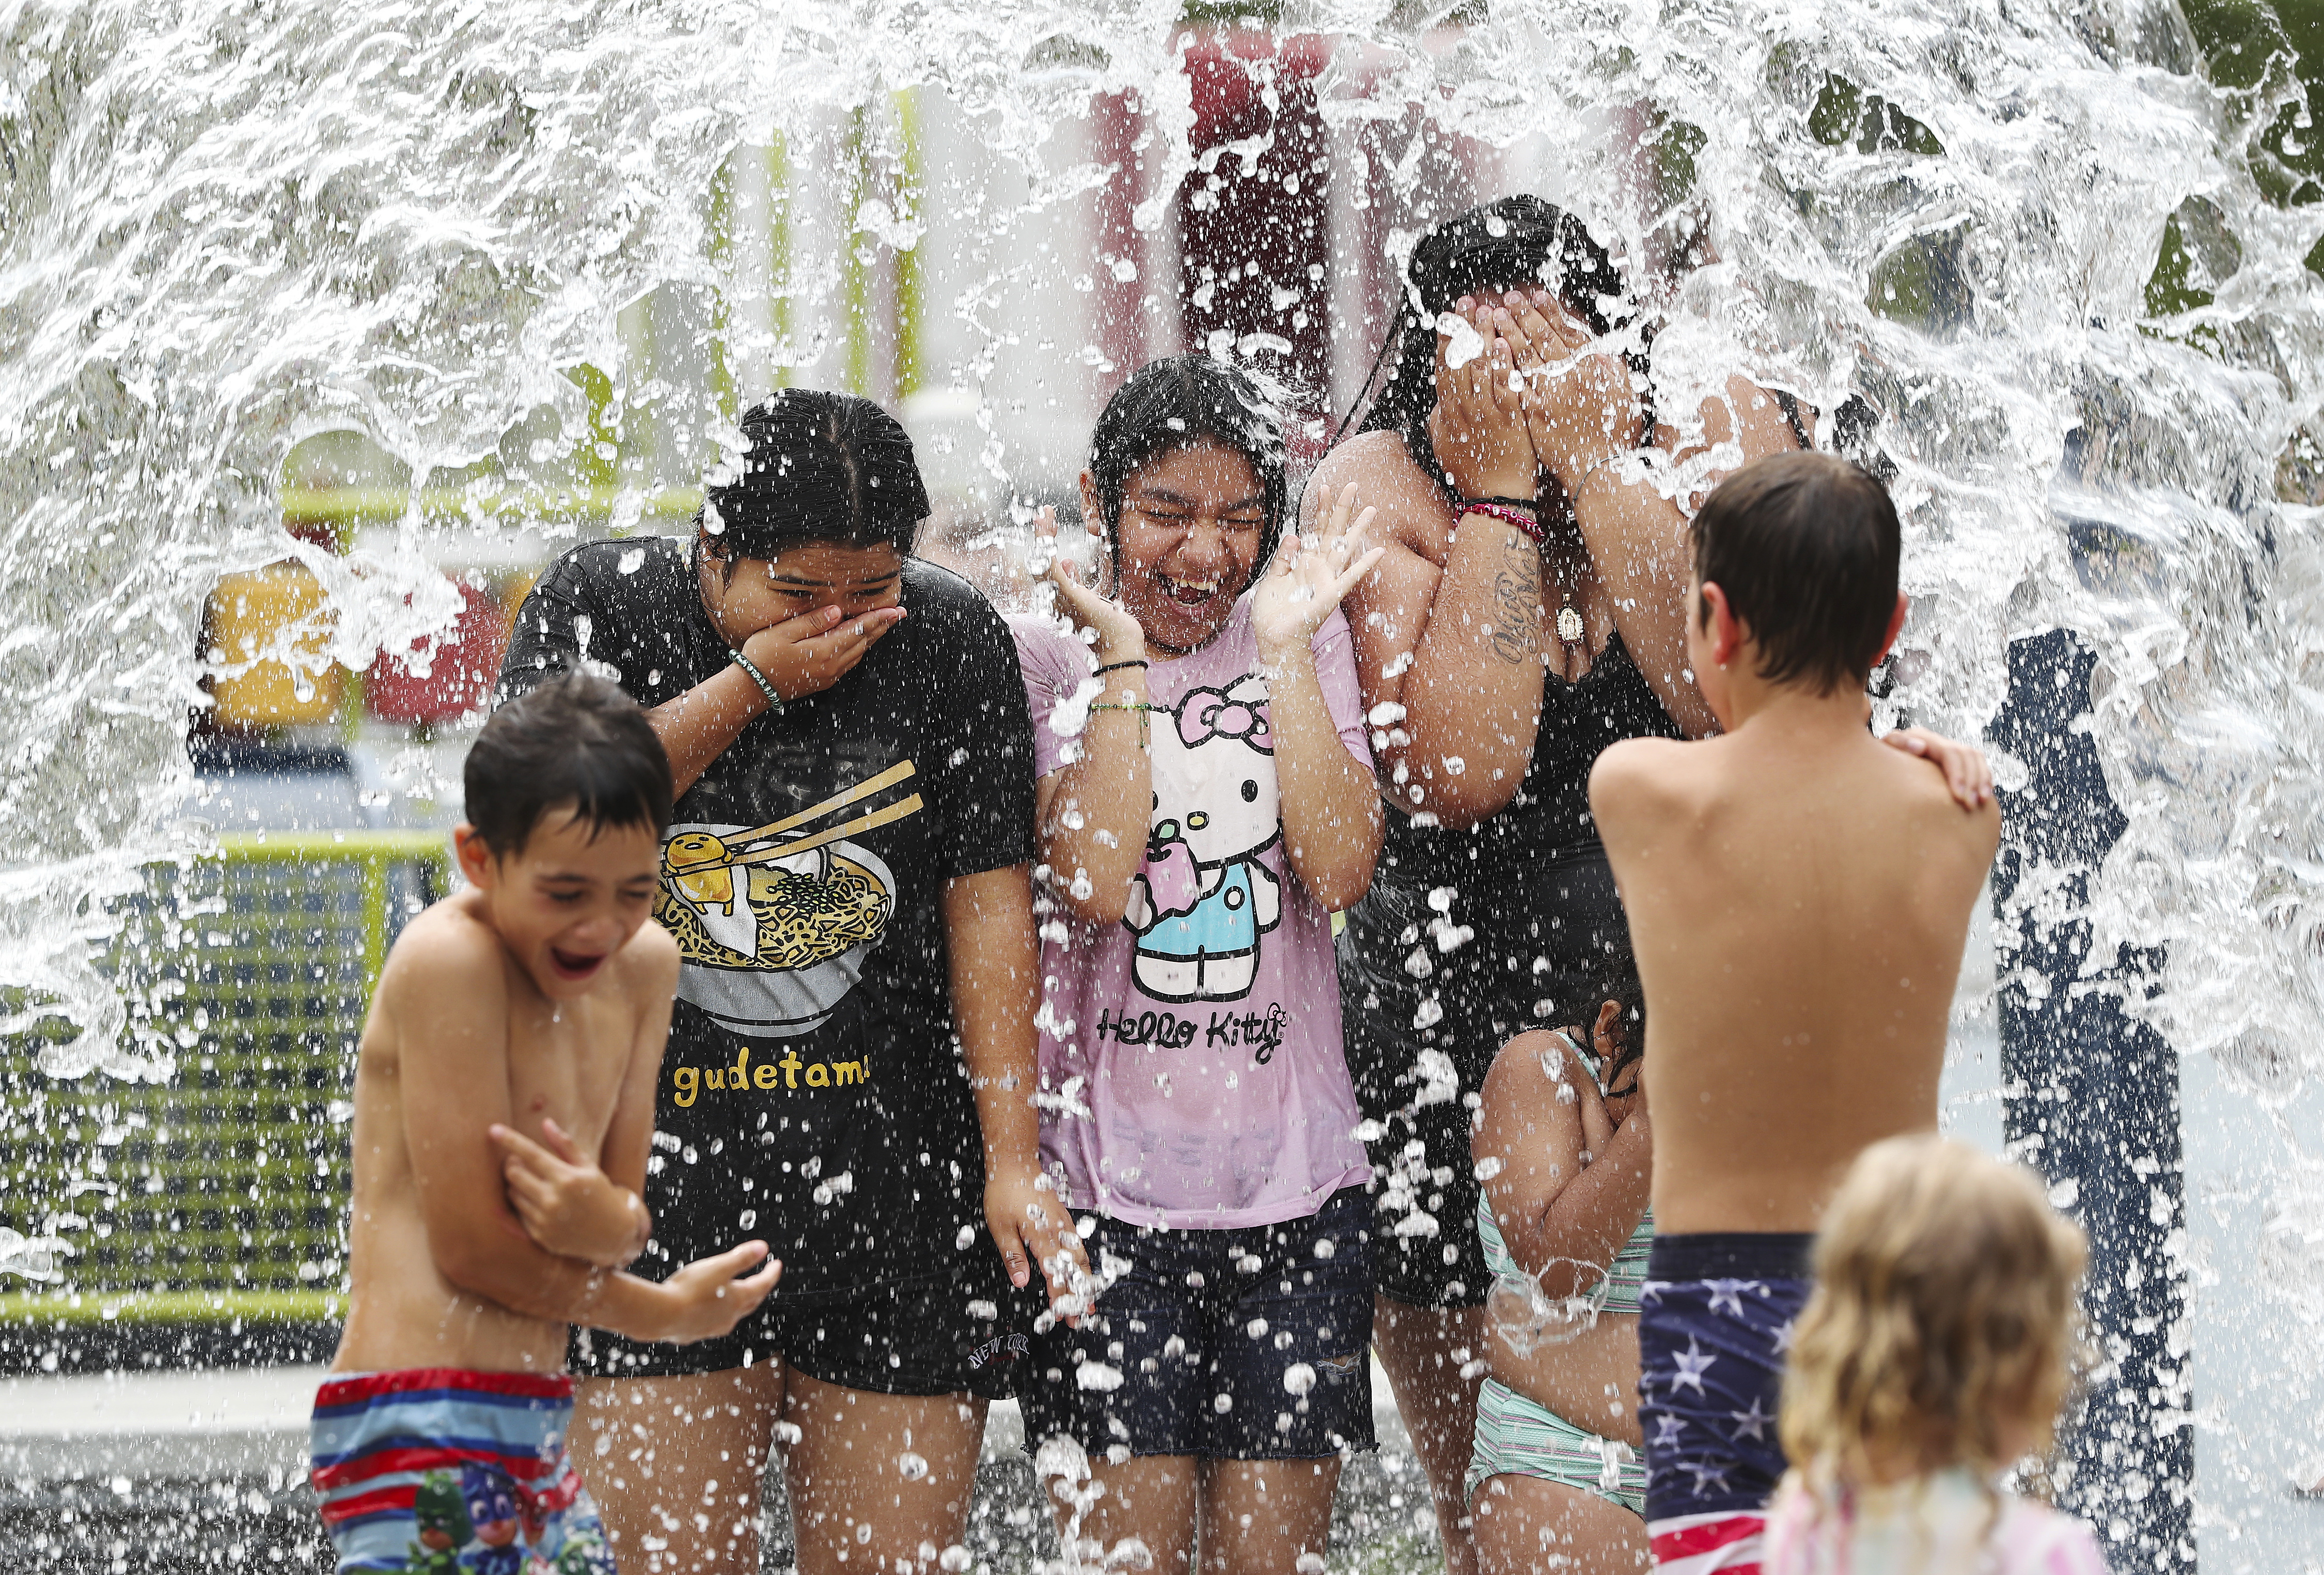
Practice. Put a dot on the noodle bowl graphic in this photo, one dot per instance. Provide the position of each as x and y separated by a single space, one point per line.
772 921
807 908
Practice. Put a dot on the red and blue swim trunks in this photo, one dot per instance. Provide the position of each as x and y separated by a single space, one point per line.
449 1472
1715 1319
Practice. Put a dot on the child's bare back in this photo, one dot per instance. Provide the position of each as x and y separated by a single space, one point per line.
1799 894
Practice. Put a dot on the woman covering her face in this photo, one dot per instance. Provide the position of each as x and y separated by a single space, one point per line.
1206 800
1527 613
851 1054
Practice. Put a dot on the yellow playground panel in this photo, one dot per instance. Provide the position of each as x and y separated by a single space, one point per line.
219 1195
246 619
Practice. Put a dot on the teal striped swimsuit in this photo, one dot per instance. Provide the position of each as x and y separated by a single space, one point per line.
1519 1436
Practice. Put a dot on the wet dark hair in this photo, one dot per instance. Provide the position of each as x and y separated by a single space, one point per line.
820 466
1175 404
1514 240
578 740
1806 547
1617 981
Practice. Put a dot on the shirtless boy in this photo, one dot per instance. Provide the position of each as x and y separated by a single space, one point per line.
1798 894
503 1109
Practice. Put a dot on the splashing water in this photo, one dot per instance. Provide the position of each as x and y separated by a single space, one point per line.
225 229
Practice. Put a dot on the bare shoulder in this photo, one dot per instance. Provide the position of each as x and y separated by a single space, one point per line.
1642 780
1369 459
1520 1073
1921 796
1518 1090
650 962
448 947
1386 478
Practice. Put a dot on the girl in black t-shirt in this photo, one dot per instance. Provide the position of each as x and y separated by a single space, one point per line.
850 1061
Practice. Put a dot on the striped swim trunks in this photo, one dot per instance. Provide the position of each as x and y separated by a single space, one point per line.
450 1472
1520 1437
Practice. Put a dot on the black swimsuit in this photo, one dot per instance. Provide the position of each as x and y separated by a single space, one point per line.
1533 886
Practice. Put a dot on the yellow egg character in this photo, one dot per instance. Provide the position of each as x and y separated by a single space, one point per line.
698 865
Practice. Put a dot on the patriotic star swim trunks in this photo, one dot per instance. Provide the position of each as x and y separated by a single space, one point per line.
1715 1319
450 1472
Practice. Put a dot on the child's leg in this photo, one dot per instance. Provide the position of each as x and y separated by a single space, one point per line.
1267 1518
676 1466
1522 1524
1427 1352
1148 1500
878 1482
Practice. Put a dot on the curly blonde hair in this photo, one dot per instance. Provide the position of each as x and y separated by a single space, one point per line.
1943 1320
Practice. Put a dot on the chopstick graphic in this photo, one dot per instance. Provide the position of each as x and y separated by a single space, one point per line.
862 790
877 818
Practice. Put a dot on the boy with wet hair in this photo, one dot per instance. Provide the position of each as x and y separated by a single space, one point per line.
503 1109
1799 894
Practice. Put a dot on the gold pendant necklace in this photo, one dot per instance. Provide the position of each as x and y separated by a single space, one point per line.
1569 622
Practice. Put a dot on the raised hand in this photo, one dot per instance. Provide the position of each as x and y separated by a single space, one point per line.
1579 406
1118 636
567 1205
1311 575
807 655
1479 426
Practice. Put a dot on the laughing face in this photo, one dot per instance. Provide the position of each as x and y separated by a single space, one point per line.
1191 525
569 899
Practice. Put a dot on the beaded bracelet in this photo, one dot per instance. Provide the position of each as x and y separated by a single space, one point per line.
1508 516
774 700
1145 736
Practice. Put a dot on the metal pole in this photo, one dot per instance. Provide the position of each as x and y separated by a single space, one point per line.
2092 1101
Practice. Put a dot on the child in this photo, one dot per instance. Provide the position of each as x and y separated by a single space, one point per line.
1799 894
1931 1356
1205 801
1564 1152
535 1000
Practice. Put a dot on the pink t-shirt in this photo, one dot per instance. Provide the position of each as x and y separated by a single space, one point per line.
1191 1072
1944 1521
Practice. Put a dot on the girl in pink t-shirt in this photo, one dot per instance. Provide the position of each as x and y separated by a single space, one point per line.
1931 1355
1205 803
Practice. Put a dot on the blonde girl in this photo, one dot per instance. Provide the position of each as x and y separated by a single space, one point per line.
1931 1356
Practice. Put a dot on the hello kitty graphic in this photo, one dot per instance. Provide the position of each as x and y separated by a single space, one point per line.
1204 896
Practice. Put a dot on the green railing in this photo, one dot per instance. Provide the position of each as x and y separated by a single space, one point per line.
219 1195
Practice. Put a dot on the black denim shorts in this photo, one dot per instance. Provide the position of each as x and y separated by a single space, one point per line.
1249 1344
967 1331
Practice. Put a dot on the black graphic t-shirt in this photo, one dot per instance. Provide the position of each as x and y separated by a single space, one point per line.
813 1095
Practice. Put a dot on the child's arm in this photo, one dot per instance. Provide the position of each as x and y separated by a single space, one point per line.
1330 803
450 1003
996 971
567 1202
1549 1205
1093 813
580 1207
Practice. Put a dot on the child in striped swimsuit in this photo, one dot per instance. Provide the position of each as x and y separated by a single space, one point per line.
503 1113
1564 1150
